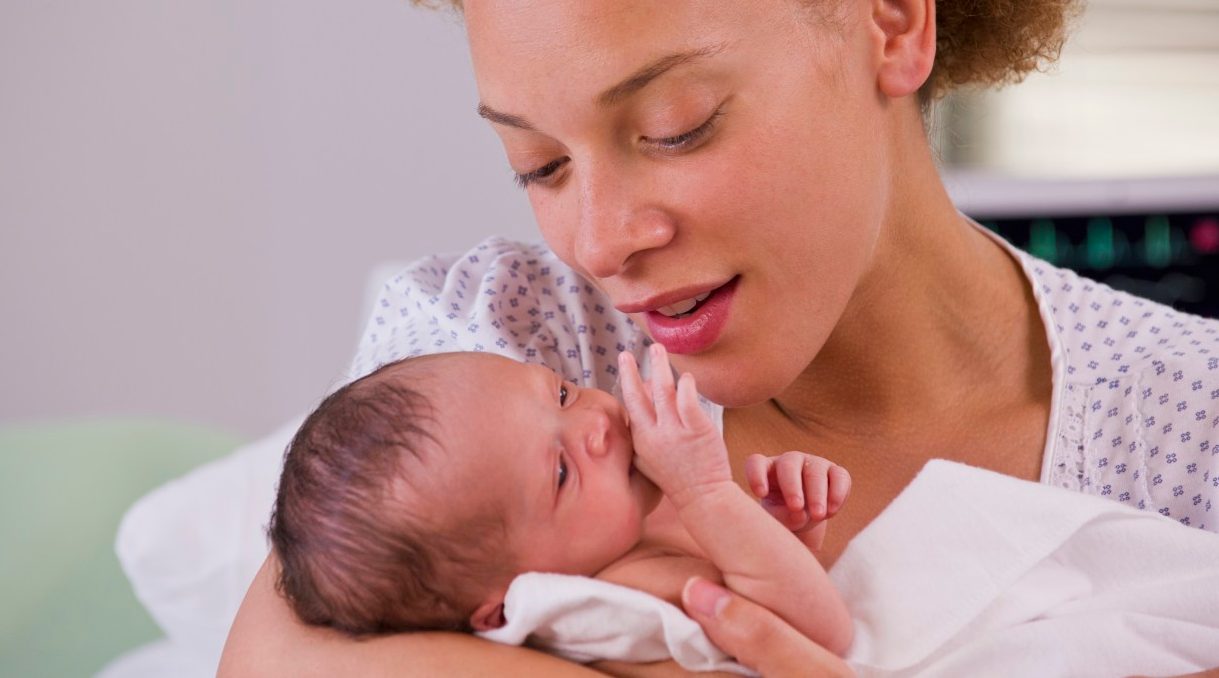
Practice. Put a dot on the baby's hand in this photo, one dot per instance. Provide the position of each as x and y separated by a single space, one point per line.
800 490
676 444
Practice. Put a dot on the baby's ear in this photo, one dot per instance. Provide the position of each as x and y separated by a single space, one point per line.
489 615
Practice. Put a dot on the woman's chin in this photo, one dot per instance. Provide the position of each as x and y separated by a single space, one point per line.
732 386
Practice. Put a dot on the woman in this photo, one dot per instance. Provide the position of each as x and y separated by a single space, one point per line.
767 159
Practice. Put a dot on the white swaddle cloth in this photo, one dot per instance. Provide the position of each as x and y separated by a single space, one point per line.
586 619
967 572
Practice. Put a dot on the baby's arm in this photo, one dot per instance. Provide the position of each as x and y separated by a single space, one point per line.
678 447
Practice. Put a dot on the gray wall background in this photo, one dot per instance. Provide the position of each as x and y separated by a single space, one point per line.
193 192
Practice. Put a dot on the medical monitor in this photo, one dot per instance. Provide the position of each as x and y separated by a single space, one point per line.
1156 238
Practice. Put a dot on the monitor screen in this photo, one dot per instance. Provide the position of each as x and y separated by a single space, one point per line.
1157 239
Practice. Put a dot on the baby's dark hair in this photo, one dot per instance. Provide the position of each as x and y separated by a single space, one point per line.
355 551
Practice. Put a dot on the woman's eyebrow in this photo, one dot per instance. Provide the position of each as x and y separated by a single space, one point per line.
640 78
508 119
623 90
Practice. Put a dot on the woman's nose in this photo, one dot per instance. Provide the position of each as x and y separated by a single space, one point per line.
614 223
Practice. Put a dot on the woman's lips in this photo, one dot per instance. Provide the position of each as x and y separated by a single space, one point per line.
700 329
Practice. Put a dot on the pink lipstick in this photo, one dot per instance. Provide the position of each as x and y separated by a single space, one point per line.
698 329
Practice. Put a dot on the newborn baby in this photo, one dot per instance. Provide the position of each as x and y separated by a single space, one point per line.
412 497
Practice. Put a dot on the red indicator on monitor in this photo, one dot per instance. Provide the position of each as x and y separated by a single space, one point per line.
1204 236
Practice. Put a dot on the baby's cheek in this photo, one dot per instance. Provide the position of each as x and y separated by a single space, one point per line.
628 530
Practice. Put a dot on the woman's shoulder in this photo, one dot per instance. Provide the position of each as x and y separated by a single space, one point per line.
501 296
1104 332
1140 402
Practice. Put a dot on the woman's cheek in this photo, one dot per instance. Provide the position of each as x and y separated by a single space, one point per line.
556 227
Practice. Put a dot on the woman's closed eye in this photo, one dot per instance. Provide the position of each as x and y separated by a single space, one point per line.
540 174
681 142
688 139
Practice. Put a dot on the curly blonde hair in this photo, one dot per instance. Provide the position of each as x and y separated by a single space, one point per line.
982 43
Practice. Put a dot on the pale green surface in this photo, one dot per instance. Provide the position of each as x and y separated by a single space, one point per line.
66 607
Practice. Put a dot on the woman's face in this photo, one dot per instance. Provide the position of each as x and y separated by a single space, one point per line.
748 158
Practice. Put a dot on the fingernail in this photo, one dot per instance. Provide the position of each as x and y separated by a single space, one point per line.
703 597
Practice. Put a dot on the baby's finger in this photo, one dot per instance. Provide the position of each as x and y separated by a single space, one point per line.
816 487
663 393
840 488
634 395
691 413
788 471
756 469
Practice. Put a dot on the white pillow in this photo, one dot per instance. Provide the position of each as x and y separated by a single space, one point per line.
191 547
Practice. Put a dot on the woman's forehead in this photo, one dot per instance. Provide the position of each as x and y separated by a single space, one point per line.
545 50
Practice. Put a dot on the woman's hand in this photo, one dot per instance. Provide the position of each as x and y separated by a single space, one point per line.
756 636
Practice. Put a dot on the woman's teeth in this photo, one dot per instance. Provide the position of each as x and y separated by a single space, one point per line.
682 307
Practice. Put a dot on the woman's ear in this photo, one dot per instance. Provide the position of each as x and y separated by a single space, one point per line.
490 614
907 33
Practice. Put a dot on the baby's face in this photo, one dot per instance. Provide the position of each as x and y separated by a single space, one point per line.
554 456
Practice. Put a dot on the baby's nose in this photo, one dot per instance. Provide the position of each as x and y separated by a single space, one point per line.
598 435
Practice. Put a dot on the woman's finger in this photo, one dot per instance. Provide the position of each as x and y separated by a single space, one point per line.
634 395
757 637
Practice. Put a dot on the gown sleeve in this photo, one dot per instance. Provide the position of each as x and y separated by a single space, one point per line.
506 297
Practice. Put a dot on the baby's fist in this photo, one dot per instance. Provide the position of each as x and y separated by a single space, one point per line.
800 490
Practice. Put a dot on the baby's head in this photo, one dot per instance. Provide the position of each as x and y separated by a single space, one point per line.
411 497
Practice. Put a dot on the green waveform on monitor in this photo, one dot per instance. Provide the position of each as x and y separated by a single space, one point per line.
1105 246
1045 243
1157 242
1100 251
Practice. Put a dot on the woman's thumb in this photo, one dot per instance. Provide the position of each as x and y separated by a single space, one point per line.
757 637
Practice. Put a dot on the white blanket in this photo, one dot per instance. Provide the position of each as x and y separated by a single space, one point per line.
585 619
967 572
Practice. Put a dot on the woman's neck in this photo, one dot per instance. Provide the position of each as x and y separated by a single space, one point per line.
943 322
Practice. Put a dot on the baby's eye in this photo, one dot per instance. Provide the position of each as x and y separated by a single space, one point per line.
562 471
563 394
